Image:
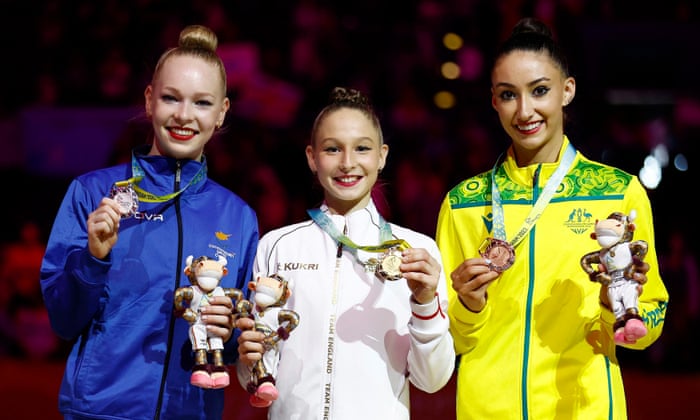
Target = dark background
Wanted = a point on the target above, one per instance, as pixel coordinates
(72, 101)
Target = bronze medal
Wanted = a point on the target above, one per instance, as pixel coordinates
(388, 266)
(126, 197)
(500, 254)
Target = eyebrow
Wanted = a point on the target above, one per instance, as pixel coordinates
(532, 83)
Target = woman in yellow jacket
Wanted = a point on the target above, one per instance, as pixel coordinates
(532, 331)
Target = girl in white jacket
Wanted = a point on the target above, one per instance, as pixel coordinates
(371, 295)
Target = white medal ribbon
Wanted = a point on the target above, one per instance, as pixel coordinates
(499, 231)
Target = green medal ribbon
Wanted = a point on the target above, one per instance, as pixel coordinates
(325, 223)
(138, 174)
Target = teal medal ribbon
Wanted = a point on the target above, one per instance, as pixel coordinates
(498, 249)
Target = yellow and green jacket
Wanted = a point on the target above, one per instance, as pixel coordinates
(542, 347)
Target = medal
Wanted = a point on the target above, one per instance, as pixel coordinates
(499, 253)
(388, 264)
(123, 193)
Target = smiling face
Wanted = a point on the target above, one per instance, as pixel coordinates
(346, 154)
(186, 103)
(529, 92)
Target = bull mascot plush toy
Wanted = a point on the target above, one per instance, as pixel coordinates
(615, 263)
(205, 276)
(270, 293)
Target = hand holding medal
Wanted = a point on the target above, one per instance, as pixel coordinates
(103, 223)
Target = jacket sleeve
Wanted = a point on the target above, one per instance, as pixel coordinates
(431, 356)
(72, 280)
(654, 298)
(464, 324)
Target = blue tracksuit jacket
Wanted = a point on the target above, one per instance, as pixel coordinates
(131, 357)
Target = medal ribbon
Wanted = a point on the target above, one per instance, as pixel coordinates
(325, 223)
(499, 230)
(138, 174)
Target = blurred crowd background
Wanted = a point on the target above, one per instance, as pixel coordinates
(72, 101)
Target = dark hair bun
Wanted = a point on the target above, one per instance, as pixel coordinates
(348, 96)
(531, 26)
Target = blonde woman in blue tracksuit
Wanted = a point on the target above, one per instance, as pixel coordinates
(118, 248)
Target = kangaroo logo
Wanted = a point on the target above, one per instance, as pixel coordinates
(579, 220)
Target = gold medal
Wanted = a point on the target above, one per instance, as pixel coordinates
(499, 253)
(123, 193)
(388, 265)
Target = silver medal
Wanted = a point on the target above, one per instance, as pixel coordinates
(126, 197)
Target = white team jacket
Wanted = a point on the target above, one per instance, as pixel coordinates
(357, 344)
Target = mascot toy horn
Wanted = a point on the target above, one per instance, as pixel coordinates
(616, 261)
(205, 276)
